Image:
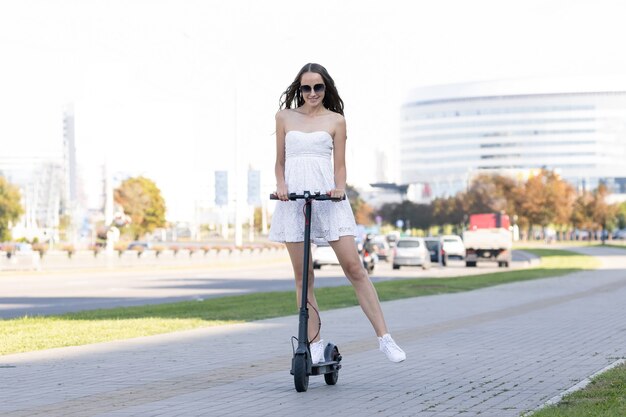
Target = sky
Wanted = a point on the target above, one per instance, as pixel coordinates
(175, 90)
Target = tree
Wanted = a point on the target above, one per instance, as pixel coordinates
(257, 219)
(142, 201)
(548, 199)
(413, 215)
(620, 216)
(602, 212)
(363, 212)
(582, 218)
(591, 211)
(450, 210)
(491, 193)
(10, 207)
(563, 195)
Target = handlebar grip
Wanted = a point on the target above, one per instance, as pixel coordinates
(325, 197)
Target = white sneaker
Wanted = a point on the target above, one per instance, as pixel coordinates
(317, 351)
(389, 348)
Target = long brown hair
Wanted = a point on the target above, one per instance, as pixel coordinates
(331, 101)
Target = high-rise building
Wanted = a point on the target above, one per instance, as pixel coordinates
(48, 186)
(575, 126)
(41, 183)
(70, 194)
(42, 196)
(382, 166)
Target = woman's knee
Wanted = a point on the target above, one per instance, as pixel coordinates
(356, 272)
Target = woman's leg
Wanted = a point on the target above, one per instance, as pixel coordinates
(346, 251)
(296, 253)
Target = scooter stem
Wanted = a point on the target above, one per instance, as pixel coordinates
(303, 337)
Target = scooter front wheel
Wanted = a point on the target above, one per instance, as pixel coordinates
(300, 376)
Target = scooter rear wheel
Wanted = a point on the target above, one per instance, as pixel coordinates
(332, 377)
(300, 377)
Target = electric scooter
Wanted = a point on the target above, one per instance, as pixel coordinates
(301, 364)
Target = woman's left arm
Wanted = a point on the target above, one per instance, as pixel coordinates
(339, 152)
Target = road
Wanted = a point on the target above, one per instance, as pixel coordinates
(44, 293)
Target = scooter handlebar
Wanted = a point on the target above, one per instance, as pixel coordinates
(310, 196)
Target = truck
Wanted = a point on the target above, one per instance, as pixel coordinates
(488, 238)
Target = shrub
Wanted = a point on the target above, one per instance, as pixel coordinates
(158, 249)
(120, 247)
(70, 249)
(42, 248)
(95, 249)
(139, 249)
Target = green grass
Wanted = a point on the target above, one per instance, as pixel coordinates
(44, 332)
(615, 245)
(605, 396)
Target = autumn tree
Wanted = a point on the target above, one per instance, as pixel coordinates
(363, 212)
(141, 200)
(257, 219)
(592, 212)
(491, 193)
(547, 199)
(604, 213)
(10, 207)
(582, 218)
(563, 195)
(449, 210)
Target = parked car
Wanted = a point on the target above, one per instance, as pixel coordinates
(411, 251)
(392, 238)
(620, 234)
(453, 248)
(434, 246)
(581, 234)
(323, 254)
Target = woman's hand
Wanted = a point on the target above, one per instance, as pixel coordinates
(338, 193)
(282, 193)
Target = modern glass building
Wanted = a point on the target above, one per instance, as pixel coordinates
(576, 126)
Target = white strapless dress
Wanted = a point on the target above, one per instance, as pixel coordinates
(309, 167)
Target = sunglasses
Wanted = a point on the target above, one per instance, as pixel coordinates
(318, 88)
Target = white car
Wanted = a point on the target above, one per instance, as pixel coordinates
(453, 247)
(323, 254)
(411, 251)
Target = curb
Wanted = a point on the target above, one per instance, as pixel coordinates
(527, 257)
(581, 385)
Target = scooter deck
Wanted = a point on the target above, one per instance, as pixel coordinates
(325, 368)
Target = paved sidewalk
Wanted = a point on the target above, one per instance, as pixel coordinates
(494, 352)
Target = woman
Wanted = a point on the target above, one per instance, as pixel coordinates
(310, 156)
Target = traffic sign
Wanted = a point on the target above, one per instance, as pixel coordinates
(221, 188)
(254, 187)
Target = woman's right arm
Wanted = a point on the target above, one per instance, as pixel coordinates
(279, 168)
